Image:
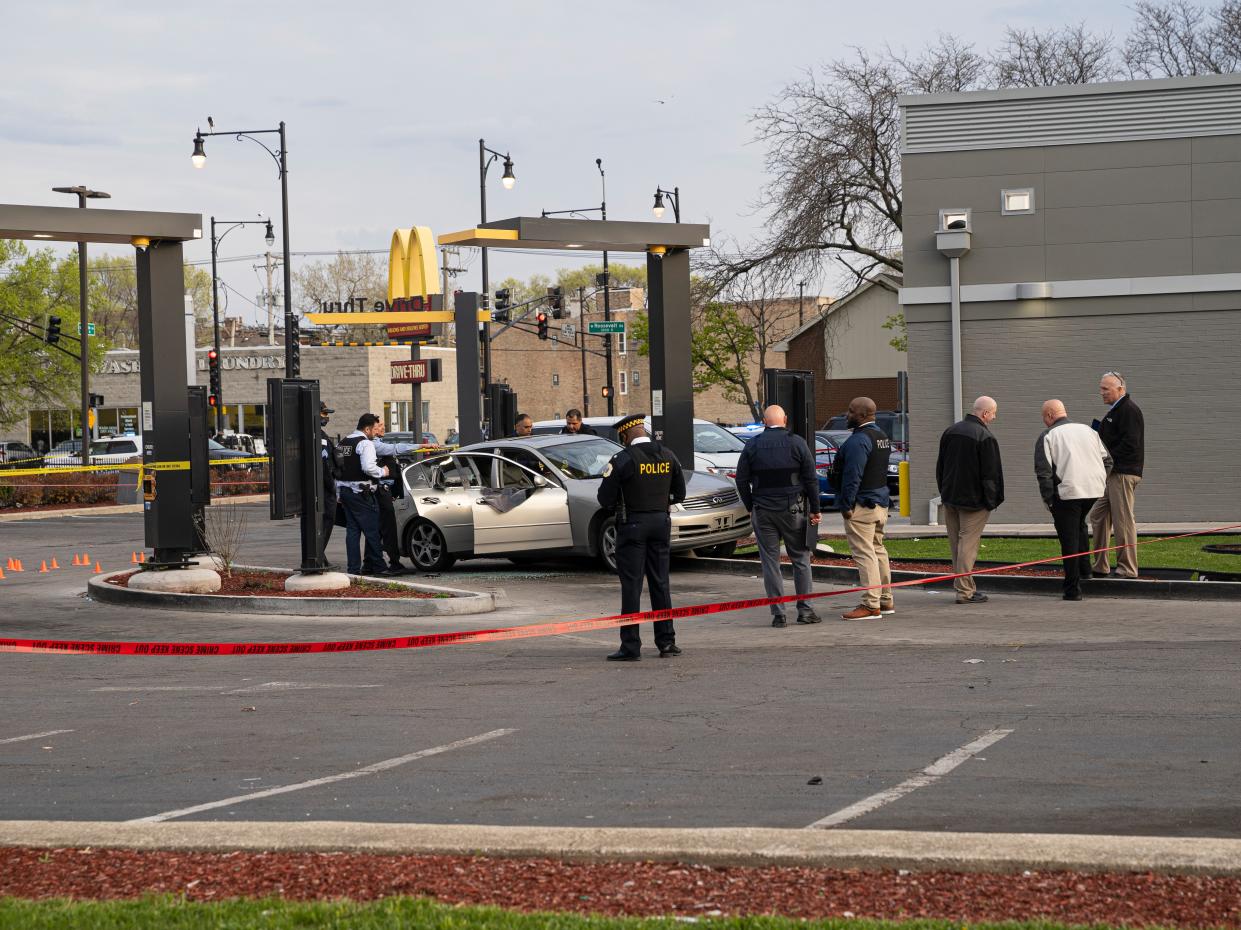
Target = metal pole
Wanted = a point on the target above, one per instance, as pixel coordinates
(954, 285)
(83, 313)
(607, 291)
(289, 368)
(801, 296)
(270, 301)
(581, 340)
(485, 298)
(215, 324)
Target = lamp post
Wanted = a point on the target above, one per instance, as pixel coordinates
(84, 194)
(674, 195)
(953, 240)
(485, 157)
(281, 158)
(270, 239)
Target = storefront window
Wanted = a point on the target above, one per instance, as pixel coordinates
(63, 426)
(127, 420)
(40, 430)
(106, 422)
(253, 420)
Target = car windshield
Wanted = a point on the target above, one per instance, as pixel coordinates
(214, 446)
(581, 459)
(112, 448)
(710, 438)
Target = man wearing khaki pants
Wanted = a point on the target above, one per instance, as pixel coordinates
(971, 485)
(1123, 431)
(860, 476)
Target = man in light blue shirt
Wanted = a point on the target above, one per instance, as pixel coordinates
(360, 475)
(390, 487)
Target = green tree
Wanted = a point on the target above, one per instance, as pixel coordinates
(34, 286)
(113, 285)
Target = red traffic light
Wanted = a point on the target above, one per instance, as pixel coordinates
(542, 317)
(212, 356)
(213, 401)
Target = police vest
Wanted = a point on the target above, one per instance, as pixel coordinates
(351, 462)
(773, 463)
(649, 486)
(875, 474)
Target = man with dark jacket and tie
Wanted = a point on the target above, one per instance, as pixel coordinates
(1123, 431)
(971, 485)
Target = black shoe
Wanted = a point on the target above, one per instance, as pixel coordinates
(1073, 595)
(808, 616)
(398, 569)
(779, 621)
(672, 649)
(622, 656)
(976, 598)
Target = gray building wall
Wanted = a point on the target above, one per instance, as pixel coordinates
(1150, 216)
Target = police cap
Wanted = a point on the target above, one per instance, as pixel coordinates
(629, 422)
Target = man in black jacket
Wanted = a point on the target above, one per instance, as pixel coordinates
(971, 485)
(1123, 431)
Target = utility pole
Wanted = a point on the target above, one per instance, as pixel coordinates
(271, 303)
(581, 338)
(607, 290)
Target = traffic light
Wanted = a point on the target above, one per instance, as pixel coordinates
(53, 330)
(542, 321)
(607, 391)
(555, 298)
(96, 400)
(295, 348)
(213, 378)
(500, 316)
(503, 302)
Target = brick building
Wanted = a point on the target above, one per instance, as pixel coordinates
(849, 351)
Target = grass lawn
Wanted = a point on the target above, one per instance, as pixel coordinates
(168, 913)
(1176, 553)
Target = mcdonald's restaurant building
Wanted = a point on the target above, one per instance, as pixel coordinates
(352, 380)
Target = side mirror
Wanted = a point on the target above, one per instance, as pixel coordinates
(540, 481)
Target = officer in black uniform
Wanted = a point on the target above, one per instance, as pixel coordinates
(639, 484)
(331, 471)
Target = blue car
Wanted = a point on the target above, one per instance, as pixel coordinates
(826, 444)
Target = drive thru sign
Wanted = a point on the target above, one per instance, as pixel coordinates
(416, 371)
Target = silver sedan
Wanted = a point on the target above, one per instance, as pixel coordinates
(537, 496)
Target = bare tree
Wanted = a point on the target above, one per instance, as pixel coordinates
(1180, 39)
(359, 277)
(224, 530)
(1069, 55)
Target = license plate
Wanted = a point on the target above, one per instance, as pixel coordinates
(720, 523)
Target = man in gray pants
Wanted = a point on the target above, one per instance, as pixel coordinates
(778, 485)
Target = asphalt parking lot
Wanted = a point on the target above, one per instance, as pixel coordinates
(1027, 714)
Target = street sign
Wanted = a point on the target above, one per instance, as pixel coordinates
(569, 330)
(416, 371)
(603, 327)
(90, 329)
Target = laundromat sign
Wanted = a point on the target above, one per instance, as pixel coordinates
(131, 366)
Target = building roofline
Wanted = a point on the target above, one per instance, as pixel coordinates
(1069, 90)
(829, 309)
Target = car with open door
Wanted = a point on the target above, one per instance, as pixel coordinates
(538, 496)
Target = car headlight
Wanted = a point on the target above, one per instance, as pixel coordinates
(723, 471)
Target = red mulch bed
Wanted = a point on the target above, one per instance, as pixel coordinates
(271, 584)
(626, 888)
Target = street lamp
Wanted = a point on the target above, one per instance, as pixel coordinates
(674, 195)
(604, 281)
(508, 179)
(953, 239)
(84, 194)
(270, 238)
(281, 158)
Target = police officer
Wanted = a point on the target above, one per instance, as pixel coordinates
(860, 476)
(388, 488)
(639, 484)
(778, 485)
(359, 474)
(573, 425)
(331, 471)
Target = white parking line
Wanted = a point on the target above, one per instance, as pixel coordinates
(929, 775)
(327, 780)
(18, 739)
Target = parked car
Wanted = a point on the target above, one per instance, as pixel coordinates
(537, 496)
(113, 450)
(747, 432)
(252, 446)
(716, 450)
(826, 443)
(19, 455)
(895, 424)
(221, 455)
(428, 439)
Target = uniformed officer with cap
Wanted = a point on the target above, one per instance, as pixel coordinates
(639, 484)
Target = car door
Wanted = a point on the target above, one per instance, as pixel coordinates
(519, 510)
(442, 490)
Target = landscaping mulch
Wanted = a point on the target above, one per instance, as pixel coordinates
(271, 584)
(626, 888)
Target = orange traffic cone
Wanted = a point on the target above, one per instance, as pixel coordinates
(17, 565)
(86, 560)
(76, 559)
(142, 558)
(133, 558)
(9, 564)
(98, 570)
(1, 573)
(55, 564)
(43, 567)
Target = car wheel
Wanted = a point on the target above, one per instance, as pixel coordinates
(427, 548)
(721, 551)
(607, 543)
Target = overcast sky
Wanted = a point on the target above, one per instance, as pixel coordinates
(385, 104)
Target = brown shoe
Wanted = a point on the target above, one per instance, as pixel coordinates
(862, 612)
(887, 608)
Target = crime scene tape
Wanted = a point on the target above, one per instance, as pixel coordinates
(553, 628)
(135, 466)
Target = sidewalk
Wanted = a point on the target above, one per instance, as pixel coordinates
(900, 528)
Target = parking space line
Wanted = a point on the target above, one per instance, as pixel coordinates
(928, 776)
(18, 739)
(371, 769)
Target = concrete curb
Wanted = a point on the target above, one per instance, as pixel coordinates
(458, 603)
(853, 849)
(1166, 589)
